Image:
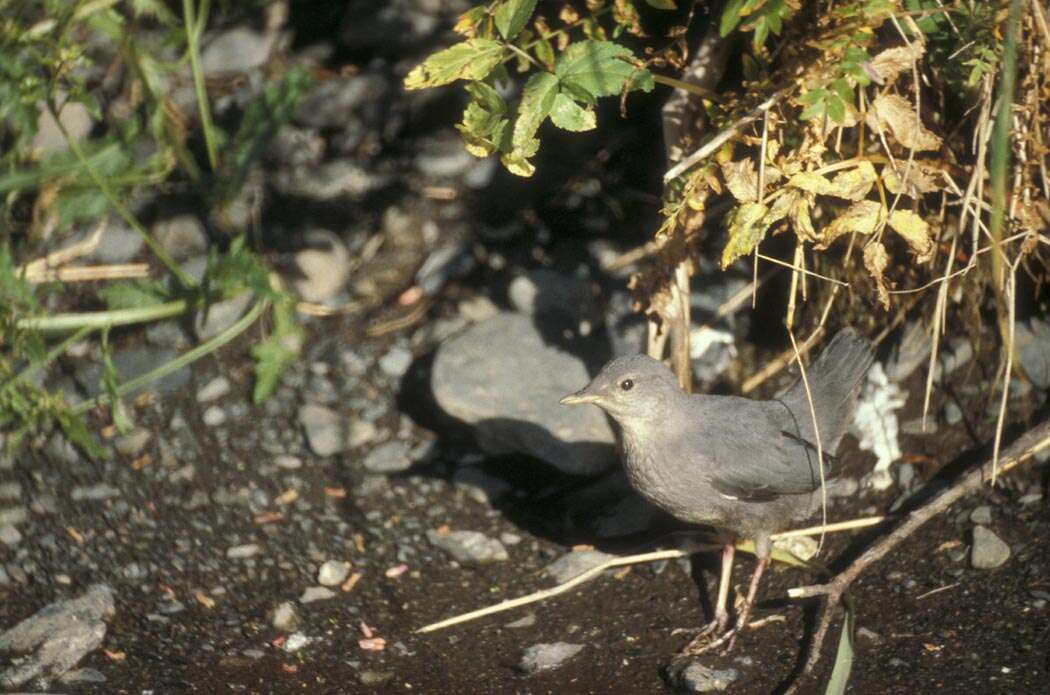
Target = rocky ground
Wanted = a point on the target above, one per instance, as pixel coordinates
(414, 463)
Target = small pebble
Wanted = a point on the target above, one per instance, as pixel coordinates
(213, 390)
(547, 657)
(316, 593)
(214, 416)
(333, 572)
(295, 642)
(241, 552)
(981, 515)
(285, 616)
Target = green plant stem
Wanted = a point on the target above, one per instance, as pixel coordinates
(1001, 140)
(179, 362)
(103, 319)
(50, 357)
(193, 32)
(183, 277)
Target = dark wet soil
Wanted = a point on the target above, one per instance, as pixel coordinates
(939, 626)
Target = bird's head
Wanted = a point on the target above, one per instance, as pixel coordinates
(629, 387)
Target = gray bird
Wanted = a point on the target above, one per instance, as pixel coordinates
(747, 467)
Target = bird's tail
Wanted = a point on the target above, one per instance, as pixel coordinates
(835, 380)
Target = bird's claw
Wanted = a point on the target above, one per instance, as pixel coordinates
(708, 641)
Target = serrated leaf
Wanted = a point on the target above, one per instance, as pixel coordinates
(472, 59)
(537, 100)
(280, 349)
(781, 206)
(863, 217)
(746, 229)
(914, 230)
(893, 61)
(601, 69)
(483, 120)
(876, 260)
(801, 218)
(854, 183)
(467, 23)
(811, 182)
(921, 179)
(569, 115)
(741, 179)
(512, 15)
(892, 112)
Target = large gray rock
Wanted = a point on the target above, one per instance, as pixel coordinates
(502, 378)
(57, 637)
(239, 50)
(1033, 350)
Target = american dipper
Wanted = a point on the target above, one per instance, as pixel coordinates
(746, 467)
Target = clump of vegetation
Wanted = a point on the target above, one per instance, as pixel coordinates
(115, 63)
(901, 143)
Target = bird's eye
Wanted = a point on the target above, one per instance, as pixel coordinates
(626, 384)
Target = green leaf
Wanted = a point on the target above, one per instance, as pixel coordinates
(662, 4)
(569, 115)
(836, 109)
(265, 115)
(78, 434)
(601, 69)
(512, 15)
(110, 382)
(746, 229)
(134, 295)
(731, 16)
(844, 657)
(472, 59)
(537, 100)
(280, 349)
(484, 120)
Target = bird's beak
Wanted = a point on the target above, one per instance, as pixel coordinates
(580, 397)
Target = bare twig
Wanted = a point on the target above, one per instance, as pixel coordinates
(712, 145)
(1021, 450)
(654, 556)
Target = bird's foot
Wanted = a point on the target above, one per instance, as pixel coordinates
(708, 634)
(709, 640)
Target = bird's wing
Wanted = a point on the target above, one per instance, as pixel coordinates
(756, 453)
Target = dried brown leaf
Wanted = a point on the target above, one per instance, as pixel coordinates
(915, 231)
(863, 217)
(876, 260)
(802, 220)
(892, 62)
(741, 180)
(922, 179)
(894, 113)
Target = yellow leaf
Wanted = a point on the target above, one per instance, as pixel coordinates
(863, 217)
(855, 183)
(781, 206)
(741, 180)
(876, 260)
(915, 231)
(808, 181)
(746, 229)
(892, 112)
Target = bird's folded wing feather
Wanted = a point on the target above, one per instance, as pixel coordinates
(756, 453)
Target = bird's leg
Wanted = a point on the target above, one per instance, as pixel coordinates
(752, 592)
(720, 622)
